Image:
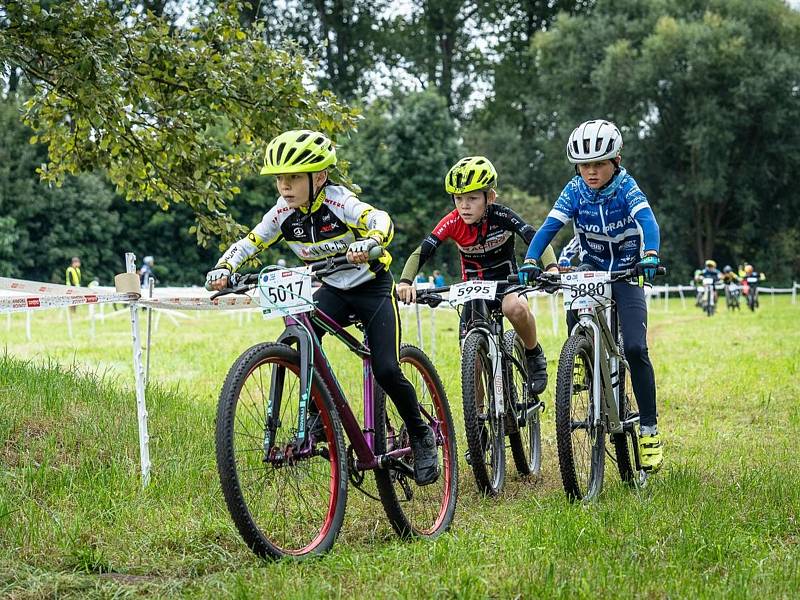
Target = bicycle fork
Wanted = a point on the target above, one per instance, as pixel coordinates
(497, 375)
(292, 336)
(605, 394)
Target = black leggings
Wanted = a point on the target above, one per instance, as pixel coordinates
(632, 314)
(374, 304)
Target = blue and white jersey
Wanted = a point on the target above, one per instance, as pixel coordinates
(614, 226)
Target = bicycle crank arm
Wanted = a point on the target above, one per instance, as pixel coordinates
(386, 461)
(522, 416)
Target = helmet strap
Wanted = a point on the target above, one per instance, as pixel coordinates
(310, 191)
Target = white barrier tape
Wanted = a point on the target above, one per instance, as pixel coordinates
(46, 289)
(26, 303)
(226, 302)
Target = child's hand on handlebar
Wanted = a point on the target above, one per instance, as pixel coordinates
(528, 271)
(217, 279)
(406, 292)
(358, 252)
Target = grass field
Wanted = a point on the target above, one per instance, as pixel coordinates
(721, 520)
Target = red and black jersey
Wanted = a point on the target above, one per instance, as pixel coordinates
(487, 247)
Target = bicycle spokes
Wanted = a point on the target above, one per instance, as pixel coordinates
(286, 497)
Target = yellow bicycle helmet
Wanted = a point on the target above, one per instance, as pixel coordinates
(299, 151)
(469, 174)
(711, 264)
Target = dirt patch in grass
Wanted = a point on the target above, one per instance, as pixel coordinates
(36, 441)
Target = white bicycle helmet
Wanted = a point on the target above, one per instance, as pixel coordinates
(593, 141)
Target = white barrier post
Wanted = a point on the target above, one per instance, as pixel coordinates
(433, 333)
(69, 322)
(28, 324)
(666, 297)
(794, 292)
(423, 286)
(680, 293)
(138, 372)
(554, 313)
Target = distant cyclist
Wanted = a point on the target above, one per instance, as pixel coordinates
(711, 271)
(729, 275)
(750, 285)
(731, 281)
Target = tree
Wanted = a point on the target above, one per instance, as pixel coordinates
(437, 44)
(42, 227)
(706, 94)
(172, 115)
(346, 36)
(400, 156)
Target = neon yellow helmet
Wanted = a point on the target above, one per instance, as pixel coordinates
(711, 264)
(469, 174)
(299, 151)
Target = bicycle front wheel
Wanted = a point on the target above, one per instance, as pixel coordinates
(484, 429)
(526, 441)
(286, 498)
(580, 441)
(417, 511)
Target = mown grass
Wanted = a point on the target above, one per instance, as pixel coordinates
(722, 519)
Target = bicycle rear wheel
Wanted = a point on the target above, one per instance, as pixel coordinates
(581, 443)
(485, 432)
(416, 511)
(526, 440)
(284, 501)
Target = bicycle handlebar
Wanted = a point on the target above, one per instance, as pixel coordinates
(239, 284)
(555, 278)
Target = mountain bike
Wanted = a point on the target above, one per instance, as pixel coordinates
(732, 294)
(286, 486)
(752, 292)
(593, 395)
(496, 398)
(709, 296)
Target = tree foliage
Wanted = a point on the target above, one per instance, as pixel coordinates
(399, 158)
(43, 226)
(172, 115)
(347, 37)
(706, 94)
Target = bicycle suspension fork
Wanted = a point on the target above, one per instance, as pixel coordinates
(293, 335)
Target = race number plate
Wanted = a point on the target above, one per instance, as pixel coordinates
(708, 281)
(587, 289)
(472, 290)
(286, 291)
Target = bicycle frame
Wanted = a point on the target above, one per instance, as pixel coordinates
(299, 331)
(607, 360)
(493, 331)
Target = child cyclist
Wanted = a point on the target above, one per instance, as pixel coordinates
(318, 220)
(484, 232)
(617, 230)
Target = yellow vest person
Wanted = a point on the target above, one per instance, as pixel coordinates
(73, 275)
